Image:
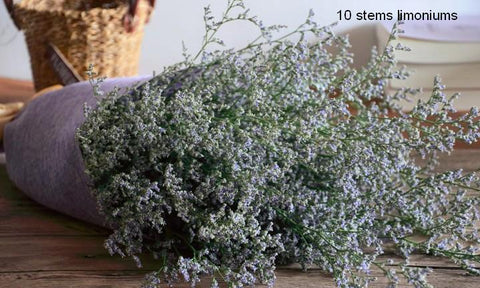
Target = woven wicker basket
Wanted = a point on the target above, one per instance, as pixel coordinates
(85, 31)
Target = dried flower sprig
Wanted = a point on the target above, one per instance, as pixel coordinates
(234, 162)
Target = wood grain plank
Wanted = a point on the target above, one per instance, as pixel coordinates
(44, 222)
(446, 278)
(416, 260)
(12, 90)
(57, 253)
(42, 248)
(76, 253)
(70, 279)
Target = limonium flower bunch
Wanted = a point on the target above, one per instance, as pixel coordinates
(233, 162)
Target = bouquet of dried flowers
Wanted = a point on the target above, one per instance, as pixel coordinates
(235, 161)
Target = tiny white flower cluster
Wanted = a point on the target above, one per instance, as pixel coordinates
(276, 153)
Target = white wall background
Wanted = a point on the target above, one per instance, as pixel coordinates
(174, 21)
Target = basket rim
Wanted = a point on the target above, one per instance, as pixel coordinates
(23, 5)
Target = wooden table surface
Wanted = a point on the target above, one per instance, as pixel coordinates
(42, 248)
(12, 90)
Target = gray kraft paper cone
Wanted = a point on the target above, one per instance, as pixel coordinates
(44, 159)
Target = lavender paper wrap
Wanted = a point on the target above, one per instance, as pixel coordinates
(43, 158)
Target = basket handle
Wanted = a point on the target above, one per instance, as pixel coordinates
(11, 11)
(61, 66)
(129, 19)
